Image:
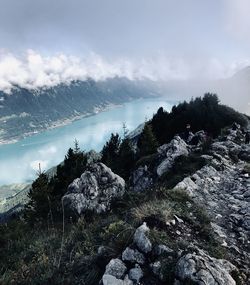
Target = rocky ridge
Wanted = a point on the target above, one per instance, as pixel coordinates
(222, 188)
(142, 257)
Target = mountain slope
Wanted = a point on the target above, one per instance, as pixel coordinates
(27, 111)
(195, 232)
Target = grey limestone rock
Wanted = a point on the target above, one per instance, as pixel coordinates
(94, 190)
(135, 274)
(200, 268)
(141, 240)
(111, 280)
(116, 268)
(133, 256)
(169, 152)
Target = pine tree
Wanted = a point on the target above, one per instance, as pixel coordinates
(126, 159)
(39, 206)
(110, 152)
(73, 166)
(76, 147)
(147, 142)
(125, 130)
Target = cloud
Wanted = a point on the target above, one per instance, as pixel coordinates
(237, 18)
(33, 70)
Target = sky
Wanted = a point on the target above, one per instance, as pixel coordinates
(45, 42)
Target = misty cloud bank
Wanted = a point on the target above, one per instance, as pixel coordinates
(33, 70)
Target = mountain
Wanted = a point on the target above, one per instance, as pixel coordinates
(180, 216)
(26, 111)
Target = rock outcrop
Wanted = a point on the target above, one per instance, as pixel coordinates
(169, 152)
(130, 267)
(223, 188)
(127, 270)
(94, 190)
(199, 268)
(143, 262)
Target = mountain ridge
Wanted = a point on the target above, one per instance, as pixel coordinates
(24, 111)
(149, 209)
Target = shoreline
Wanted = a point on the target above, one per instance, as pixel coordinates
(61, 123)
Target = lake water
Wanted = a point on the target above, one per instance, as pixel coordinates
(19, 161)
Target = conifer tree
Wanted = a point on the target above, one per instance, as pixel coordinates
(39, 206)
(126, 158)
(110, 151)
(147, 142)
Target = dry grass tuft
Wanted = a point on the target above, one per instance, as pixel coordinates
(158, 209)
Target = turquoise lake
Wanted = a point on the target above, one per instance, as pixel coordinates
(19, 161)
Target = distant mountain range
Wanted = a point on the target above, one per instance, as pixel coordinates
(24, 111)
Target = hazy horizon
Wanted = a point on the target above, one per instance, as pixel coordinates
(46, 42)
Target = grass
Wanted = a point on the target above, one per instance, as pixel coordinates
(183, 166)
(157, 209)
(35, 256)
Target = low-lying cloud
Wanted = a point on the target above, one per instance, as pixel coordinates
(33, 70)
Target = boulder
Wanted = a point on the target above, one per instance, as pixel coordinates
(116, 268)
(188, 185)
(169, 152)
(133, 256)
(200, 268)
(135, 274)
(141, 240)
(111, 280)
(94, 190)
